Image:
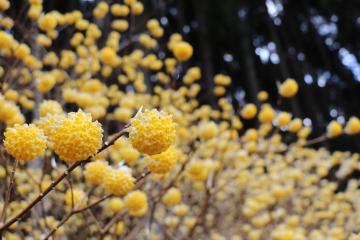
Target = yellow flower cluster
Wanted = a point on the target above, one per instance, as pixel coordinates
(152, 132)
(116, 205)
(50, 107)
(25, 142)
(249, 111)
(208, 130)
(136, 203)
(172, 197)
(10, 113)
(124, 151)
(289, 88)
(76, 137)
(183, 51)
(95, 171)
(163, 162)
(118, 182)
(334, 129)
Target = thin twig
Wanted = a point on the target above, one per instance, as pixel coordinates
(200, 220)
(315, 140)
(98, 224)
(159, 196)
(92, 204)
(8, 191)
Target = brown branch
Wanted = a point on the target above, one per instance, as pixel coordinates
(92, 204)
(98, 224)
(107, 227)
(201, 218)
(159, 196)
(8, 191)
(64, 220)
(316, 140)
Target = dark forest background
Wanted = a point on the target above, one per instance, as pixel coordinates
(261, 43)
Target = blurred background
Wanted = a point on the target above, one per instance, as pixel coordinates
(260, 44)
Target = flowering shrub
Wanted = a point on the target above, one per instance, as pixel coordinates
(92, 149)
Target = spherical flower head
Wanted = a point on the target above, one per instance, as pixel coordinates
(95, 171)
(152, 132)
(249, 111)
(92, 86)
(353, 126)
(282, 234)
(116, 205)
(136, 203)
(129, 154)
(21, 51)
(45, 83)
(219, 91)
(197, 170)
(119, 228)
(5, 40)
(9, 111)
(289, 88)
(48, 124)
(251, 147)
(266, 114)
(25, 142)
(122, 114)
(75, 197)
(77, 137)
(11, 95)
(262, 96)
(51, 107)
(295, 125)
(47, 22)
(163, 162)
(334, 129)
(221, 79)
(283, 119)
(101, 10)
(208, 130)
(137, 8)
(183, 51)
(181, 210)
(251, 134)
(4, 5)
(108, 56)
(119, 10)
(118, 181)
(304, 132)
(172, 197)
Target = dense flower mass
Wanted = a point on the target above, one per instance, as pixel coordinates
(77, 137)
(50, 107)
(118, 182)
(163, 162)
(95, 171)
(201, 162)
(25, 142)
(183, 51)
(152, 132)
(136, 203)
